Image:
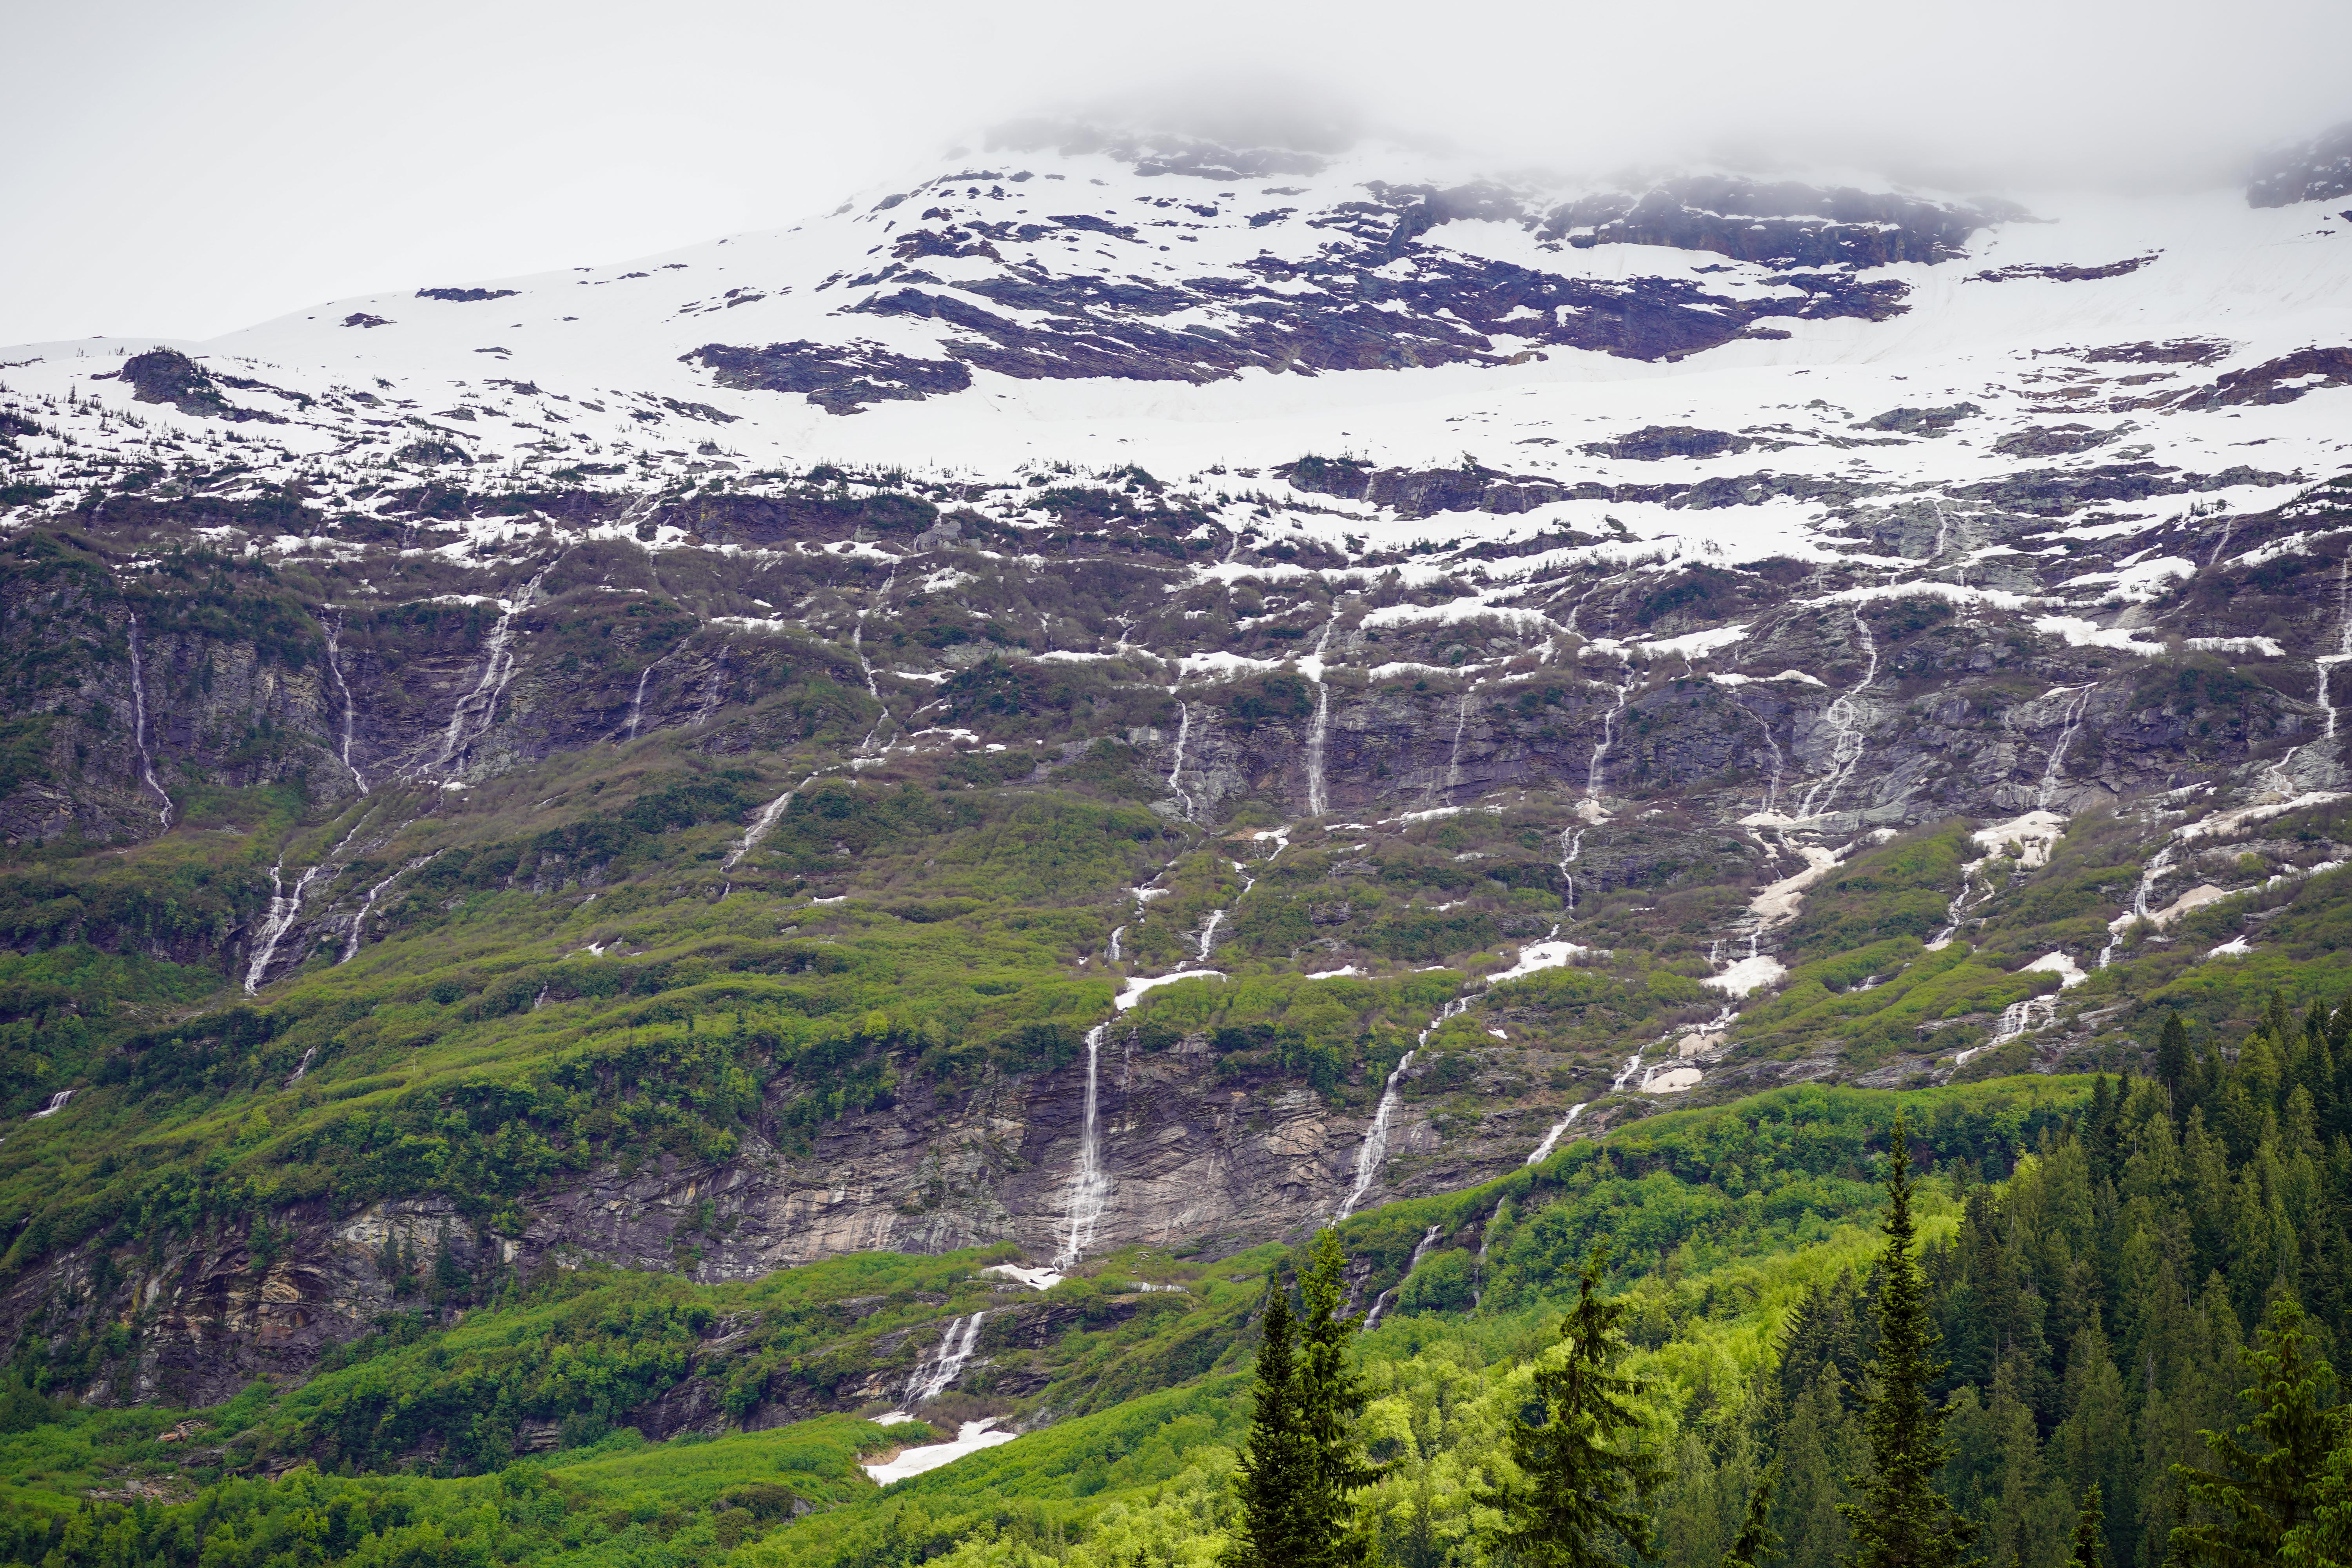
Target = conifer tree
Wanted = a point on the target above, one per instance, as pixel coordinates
(1903, 1519)
(1331, 1396)
(1757, 1543)
(2263, 1494)
(2089, 1531)
(1585, 1480)
(1275, 1473)
(2172, 1054)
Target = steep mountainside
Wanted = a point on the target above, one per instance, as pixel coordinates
(1131, 694)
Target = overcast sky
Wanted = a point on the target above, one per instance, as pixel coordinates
(187, 169)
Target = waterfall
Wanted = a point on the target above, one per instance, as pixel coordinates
(302, 1066)
(1090, 1187)
(2016, 1018)
(857, 647)
(1374, 1149)
(1428, 1239)
(1608, 734)
(139, 725)
(335, 668)
(283, 908)
(1454, 754)
(2342, 642)
(637, 698)
(1183, 735)
(1772, 745)
(2150, 874)
(359, 921)
(471, 719)
(57, 1103)
(1114, 943)
(1952, 911)
(1551, 1139)
(1317, 802)
(935, 1374)
(1846, 717)
(1633, 1065)
(1943, 529)
(2073, 721)
(1209, 930)
(1571, 841)
(760, 825)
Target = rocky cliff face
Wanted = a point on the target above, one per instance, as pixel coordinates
(1328, 574)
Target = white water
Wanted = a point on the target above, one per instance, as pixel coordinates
(2075, 711)
(935, 1374)
(1943, 530)
(1317, 801)
(1115, 931)
(471, 719)
(1551, 1139)
(2325, 662)
(302, 1066)
(857, 647)
(970, 1438)
(1609, 732)
(762, 824)
(2158, 864)
(1571, 841)
(1959, 906)
(1428, 1239)
(1176, 770)
(1780, 763)
(1844, 715)
(1374, 1149)
(335, 668)
(1454, 754)
(359, 921)
(283, 908)
(139, 724)
(57, 1103)
(1633, 1066)
(637, 698)
(1209, 930)
(1090, 1186)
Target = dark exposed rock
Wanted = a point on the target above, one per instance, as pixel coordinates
(2279, 380)
(2063, 274)
(2054, 440)
(362, 319)
(839, 379)
(1653, 442)
(1922, 421)
(2175, 351)
(2317, 170)
(466, 296)
(1783, 225)
(167, 375)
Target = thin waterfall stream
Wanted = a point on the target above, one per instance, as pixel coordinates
(139, 724)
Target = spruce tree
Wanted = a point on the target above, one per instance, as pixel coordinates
(1331, 1397)
(1275, 1475)
(2172, 1054)
(1904, 1521)
(2267, 1492)
(1585, 1480)
(1757, 1543)
(2089, 1531)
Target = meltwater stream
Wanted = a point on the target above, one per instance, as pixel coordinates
(138, 724)
(1374, 1149)
(1090, 1186)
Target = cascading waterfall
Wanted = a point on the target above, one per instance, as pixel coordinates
(57, 1102)
(760, 825)
(139, 724)
(1183, 737)
(1551, 1139)
(283, 908)
(359, 921)
(1844, 715)
(335, 668)
(1571, 841)
(1780, 763)
(1374, 1149)
(471, 720)
(935, 1375)
(857, 647)
(1115, 933)
(1453, 753)
(1959, 906)
(1633, 1065)
(2150, 874)
(1428, 1239)
(1943, 529)
(302, 1067)
(1317, 801)
(1608, 734)
(2327, 662)
(637, 698)
(2073, 721)
(1090, 1187)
